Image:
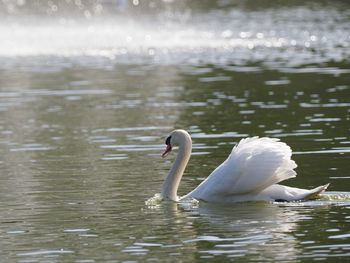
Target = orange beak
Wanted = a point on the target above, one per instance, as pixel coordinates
(167, 150)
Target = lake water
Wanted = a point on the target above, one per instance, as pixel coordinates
(89, 92)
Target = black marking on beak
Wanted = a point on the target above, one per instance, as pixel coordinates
(167, 141)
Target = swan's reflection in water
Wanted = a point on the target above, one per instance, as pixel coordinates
(248, 228)
(256, 230)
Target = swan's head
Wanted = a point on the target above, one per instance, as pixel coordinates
(176, 138)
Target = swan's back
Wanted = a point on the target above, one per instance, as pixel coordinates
(253, 165)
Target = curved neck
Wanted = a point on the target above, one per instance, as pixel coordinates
(172, 181)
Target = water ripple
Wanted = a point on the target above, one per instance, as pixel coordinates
(45, 252)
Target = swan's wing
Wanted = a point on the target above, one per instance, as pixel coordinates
(253, 165)
(260, 162)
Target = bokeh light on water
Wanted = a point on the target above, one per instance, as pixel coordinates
(90, 89)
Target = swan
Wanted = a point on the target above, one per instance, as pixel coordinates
(250, 173)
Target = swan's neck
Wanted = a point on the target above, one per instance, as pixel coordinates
(172, 181)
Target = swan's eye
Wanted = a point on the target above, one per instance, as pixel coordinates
(167, 141)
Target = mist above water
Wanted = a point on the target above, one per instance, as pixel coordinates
(166, 32)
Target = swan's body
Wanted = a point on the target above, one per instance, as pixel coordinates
(250, 173)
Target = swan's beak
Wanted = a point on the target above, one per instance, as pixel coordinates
(167, 151)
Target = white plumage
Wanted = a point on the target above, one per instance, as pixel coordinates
(251, 172)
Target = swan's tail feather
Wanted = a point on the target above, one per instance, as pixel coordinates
(316, 192)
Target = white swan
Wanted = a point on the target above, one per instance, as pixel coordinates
(251, 172)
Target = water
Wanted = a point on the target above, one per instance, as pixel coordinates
(89, 92)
